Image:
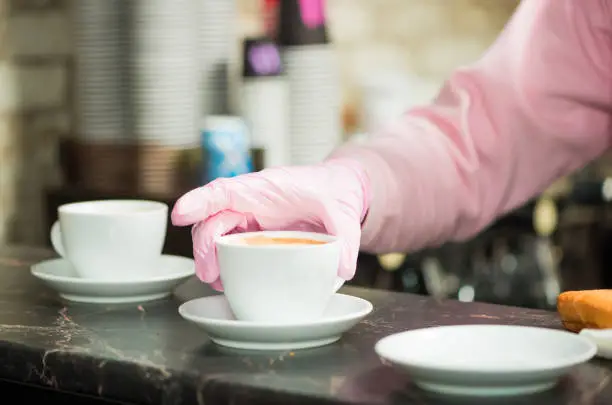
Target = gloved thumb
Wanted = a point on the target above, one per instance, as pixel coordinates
(345, 225)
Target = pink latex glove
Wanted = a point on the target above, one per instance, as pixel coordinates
(330, 197)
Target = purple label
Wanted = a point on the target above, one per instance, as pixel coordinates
(312, 13)
(264, 59)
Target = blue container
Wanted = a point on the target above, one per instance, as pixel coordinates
(225, 147)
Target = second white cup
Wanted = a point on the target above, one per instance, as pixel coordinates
(113, 239)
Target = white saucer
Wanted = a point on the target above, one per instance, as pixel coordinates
(485, 360)
(60, 275)
(214, 315)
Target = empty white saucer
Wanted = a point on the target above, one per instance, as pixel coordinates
(60, 275)
(485, 360)
(214, 315)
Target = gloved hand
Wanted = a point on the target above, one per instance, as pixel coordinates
(330, 197)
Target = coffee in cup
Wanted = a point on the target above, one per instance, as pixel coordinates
(113, 239)
(268, 240)
(280, 277)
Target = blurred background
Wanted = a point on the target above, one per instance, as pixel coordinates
(149, 98)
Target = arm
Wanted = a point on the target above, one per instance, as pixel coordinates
(536, 107)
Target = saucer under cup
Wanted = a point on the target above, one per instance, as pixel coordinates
(214, 315)
(279, 284)
(113, 239)
(60, 276)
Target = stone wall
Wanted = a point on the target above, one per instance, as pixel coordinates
(35, 57)
(426, 38)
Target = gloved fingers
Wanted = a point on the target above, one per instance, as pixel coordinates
(203, 202)
(204, 249)
(262, 195)
(270, 199)
(345, 225)
(217, 285)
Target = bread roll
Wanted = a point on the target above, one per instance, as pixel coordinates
(585, 309)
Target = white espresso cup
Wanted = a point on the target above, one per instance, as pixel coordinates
(113, 239)
(279, 283)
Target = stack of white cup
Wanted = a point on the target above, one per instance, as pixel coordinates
(216, 50)
(315, 126)
(137, 62)
(263, 101)
(165, 66)
(101, 79)
(311, 69)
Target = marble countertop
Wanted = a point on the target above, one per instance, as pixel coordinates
(147, 354)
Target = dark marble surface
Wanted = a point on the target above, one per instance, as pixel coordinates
(146, 354)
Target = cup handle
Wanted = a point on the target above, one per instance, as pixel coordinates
(56, 239)
(339, 283)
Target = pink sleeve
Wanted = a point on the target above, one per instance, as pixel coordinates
(535, 107)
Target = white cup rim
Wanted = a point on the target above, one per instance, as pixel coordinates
(229, 240)
(84, 208)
